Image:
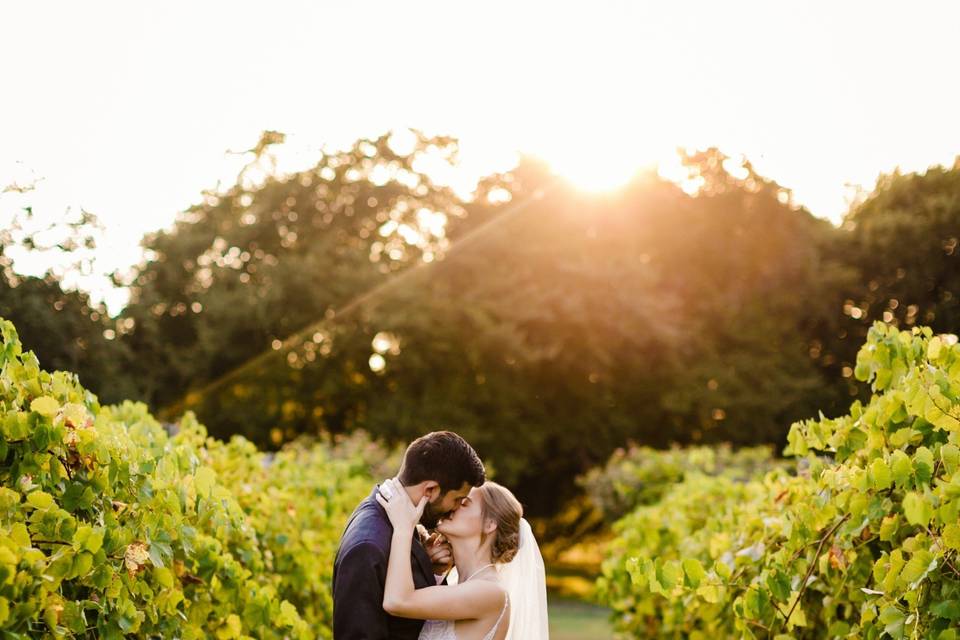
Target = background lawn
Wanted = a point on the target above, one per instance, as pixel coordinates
(577, 620)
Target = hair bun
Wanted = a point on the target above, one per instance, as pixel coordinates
(505, 548)
(501, 506)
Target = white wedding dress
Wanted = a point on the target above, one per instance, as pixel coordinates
(524, 579)
(444, 629)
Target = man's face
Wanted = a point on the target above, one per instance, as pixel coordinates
(443, 506)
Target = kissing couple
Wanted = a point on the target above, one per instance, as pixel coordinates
(439, 553)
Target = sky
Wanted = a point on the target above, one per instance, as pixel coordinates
(131, 109)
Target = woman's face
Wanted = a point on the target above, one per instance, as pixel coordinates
(467, 521)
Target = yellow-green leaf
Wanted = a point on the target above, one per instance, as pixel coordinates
(880, 474)
(950, 455)
(204, 479)
(163, 577)
(917, 509)
(231, 629)
(288, 614)
(933, 349)
(901, 467)
(694, 571)
(951, 536)
(40, 500)
(889, 527)
(45, 406)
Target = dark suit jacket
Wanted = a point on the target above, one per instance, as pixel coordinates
(360, 574)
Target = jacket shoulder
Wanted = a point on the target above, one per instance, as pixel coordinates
(368, 527)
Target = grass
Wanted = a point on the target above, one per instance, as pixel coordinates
(577, 620)
(571, 579)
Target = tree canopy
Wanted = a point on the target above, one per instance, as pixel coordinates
(546, 325)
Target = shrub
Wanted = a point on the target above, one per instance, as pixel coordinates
(111, 527)
(861, 542)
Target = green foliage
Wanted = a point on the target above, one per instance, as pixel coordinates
(110, 527)
(265, 258)
(298, 501)
(862, 542)
(570, 327)
(899, 244)
(64, 328)
(563, 322)
(642, 476)
(916, 286)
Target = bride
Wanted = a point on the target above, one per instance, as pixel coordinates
(503, 595)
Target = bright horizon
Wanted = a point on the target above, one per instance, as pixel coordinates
(134, 103)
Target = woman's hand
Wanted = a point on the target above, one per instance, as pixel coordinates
(403, 514)
(440, 552)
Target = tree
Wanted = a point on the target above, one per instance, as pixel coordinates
(903, 239)
(65, 329)
(545, 325)
(273, 254)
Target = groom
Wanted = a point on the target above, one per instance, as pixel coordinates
(443, 467)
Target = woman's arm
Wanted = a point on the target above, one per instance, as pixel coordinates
(458, 602)
(401, 598)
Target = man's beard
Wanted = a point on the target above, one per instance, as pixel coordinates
(431, 517)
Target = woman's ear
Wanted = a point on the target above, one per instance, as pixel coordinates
(489, 526)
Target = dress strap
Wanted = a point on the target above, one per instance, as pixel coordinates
(493, 632)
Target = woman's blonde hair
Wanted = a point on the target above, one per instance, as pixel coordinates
(503, 508)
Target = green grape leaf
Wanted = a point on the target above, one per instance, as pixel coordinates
(889, 527)
(723, 569)
(163, 577)
(923, 464)
(75, 414)
(710, 593)
(40, 500)
(949, 609)
(204, 479)
(16, 426)
(917, 509)
(288, 614)
(779, 585)
(694, 572)
(892, 619)
(20, 534)
(951, 536)
(87, 538)
(901, 437)
(8, 498)
(45, 406)
(880, 474)
(917, 567)
(798, 618)
(949, 511)
(950, 454)
(231, 628)
(933, 348)
(901, 467)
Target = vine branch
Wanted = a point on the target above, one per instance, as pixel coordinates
(813, 563)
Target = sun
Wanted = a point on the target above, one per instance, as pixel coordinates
(601, 166)
(592, 173)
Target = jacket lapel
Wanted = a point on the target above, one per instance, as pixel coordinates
(420, 557)
(420, 554)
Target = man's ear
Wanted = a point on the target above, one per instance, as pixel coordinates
(431, 489)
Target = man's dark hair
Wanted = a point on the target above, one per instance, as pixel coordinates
(444, 457)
